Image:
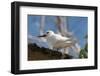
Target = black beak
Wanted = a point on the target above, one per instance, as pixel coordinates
(43, 35)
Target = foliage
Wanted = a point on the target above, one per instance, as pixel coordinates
(84, 52)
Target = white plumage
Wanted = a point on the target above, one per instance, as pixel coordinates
(57, 41)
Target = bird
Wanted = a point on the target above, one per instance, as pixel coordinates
(56, 41)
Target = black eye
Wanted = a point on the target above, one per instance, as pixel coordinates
(47, 32)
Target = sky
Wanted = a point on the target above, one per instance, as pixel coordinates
(75, 24)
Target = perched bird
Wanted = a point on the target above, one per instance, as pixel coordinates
(57, 41)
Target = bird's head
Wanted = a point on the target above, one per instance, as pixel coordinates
(47, 34)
